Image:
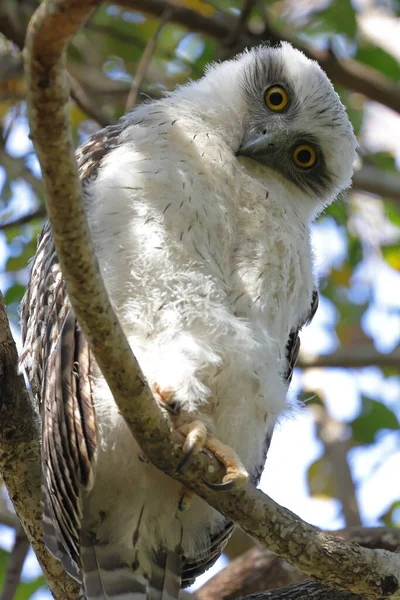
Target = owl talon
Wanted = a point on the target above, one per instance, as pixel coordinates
(196, 436)
(196, 439)
(220, 487)
(186, 500)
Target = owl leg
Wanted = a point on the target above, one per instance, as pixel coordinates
(197, 438)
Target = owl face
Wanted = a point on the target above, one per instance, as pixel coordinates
(295, 123)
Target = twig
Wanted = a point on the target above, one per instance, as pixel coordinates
(344, 565)
(329, 432)
(15, 563)
(20, 459)
(84, 102)
(241, 22)
(16, 168)
(347, 72)
(145, 61)
(377, 181)
(353, 357)
(40, 213)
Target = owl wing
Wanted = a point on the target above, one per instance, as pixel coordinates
(58, 363)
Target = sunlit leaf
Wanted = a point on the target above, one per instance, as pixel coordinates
(391, 254)
(379, 59)
(14, 293)
(14, 263)
(374, 417)
(391, 517)
(320, 480)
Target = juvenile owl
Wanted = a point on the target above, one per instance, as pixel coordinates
(200, 206)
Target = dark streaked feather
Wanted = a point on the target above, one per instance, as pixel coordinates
(293, 344)
(57, 361)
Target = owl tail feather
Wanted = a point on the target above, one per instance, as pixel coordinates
(106, 577)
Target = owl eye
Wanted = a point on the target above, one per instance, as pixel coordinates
(304, 156)
(276, 98)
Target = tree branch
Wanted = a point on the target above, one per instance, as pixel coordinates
(17, 168)
(20, 459)
(40, 213)
(377, 181)
(15, 563)
(353, 357)
(81, 98)
(145, 61)
(308, 590)
(258, 569)
(347, 72)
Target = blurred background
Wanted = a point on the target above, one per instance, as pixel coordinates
(335, 460)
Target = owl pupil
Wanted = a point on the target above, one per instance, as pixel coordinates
(304, 156)
(276, 99)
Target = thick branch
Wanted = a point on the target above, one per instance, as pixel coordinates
(373, 573)
(308, 590)
(20, 458)
(349, 73)
(258, 569)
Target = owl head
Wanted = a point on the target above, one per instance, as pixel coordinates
(277, 107)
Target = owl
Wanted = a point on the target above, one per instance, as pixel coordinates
(199, 206)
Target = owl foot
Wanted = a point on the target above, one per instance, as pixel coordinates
(236, 475)
(165, 397)
(197, 439)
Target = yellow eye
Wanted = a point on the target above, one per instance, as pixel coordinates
(304, 156)
(276, 98)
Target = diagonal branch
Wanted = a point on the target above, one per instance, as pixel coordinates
(15, 563)
(145, 61)
(362, 571)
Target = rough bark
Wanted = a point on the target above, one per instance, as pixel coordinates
(258, 569)
(309, 590)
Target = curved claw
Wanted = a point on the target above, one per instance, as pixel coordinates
(185, 458)
(221, 487)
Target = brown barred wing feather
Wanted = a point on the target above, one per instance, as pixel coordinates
(58, 364)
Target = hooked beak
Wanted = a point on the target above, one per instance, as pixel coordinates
(255, 145)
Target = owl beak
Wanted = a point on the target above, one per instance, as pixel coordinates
(255, 145)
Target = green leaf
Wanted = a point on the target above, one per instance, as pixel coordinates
(340, 18)
(391, 253)
(392, 211)
(379, 59)
(354, 250)
(374, 417)
(320, 481)
(15, 263)
(382, 160)
(25, 589)
(14, 293)
(391, 517)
